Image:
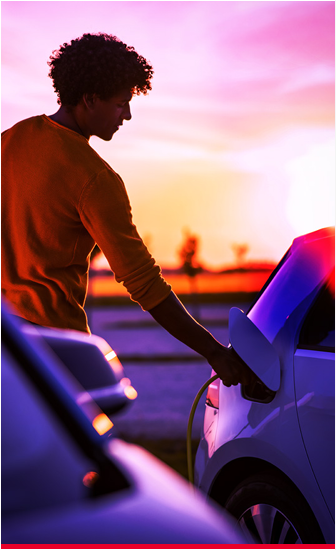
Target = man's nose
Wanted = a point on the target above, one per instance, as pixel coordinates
(127, 115)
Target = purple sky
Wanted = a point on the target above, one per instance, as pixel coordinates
(236, 139)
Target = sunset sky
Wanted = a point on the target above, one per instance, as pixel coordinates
(236, 140)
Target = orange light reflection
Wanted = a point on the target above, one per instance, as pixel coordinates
(110, 355)
(102, 423)
(130, 392)
(90, 479)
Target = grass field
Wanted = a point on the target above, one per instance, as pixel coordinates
(166, 374)
(171, 451)
(204, 283)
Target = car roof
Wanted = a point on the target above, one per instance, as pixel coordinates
(325, 233)
(301, 272)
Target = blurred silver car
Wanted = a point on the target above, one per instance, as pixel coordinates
(66, 479)
(267, 454)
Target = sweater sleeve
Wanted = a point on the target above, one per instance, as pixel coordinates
(105, 212)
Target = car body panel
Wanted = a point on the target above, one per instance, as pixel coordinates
(315, 394)
(236, 450)
(51, 448)
(296, 429)
(31, 438)
(158, 508)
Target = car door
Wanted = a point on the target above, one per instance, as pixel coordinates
(314, 372)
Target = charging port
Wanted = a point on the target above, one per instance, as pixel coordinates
(257, 392)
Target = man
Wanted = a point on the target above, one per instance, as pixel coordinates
(59, 198)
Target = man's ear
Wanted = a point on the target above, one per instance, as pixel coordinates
(89, 100)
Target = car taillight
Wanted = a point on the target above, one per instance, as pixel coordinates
(212, 397)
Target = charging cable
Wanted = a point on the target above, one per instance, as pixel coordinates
(190, 423)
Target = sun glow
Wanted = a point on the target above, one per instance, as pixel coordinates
(228, 142)
(311, 200)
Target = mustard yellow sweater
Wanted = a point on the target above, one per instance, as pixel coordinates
(59, 198)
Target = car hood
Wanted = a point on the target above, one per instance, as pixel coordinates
(160, 508)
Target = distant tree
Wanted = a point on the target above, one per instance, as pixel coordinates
(240, 251)
(188, 255)
(148, 240)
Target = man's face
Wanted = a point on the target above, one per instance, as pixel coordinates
(107, 115)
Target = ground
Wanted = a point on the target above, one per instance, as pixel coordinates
(166, 374)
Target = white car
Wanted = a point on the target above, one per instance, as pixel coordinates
(267, 454)
(66, 479)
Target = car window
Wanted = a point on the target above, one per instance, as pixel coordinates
(270, 278)
(318, 330)
(41, 465)
(300, 275)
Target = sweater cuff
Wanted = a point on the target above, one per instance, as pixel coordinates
(146, 285)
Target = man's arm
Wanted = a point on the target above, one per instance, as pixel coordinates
(173, 317)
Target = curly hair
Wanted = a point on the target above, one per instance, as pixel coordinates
(97, 64)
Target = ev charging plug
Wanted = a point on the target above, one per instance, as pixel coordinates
(256, 351)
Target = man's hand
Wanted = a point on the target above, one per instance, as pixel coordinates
(172, 316)
(231, 368)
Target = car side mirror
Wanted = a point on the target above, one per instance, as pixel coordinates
(93, 363)
(254, 349)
